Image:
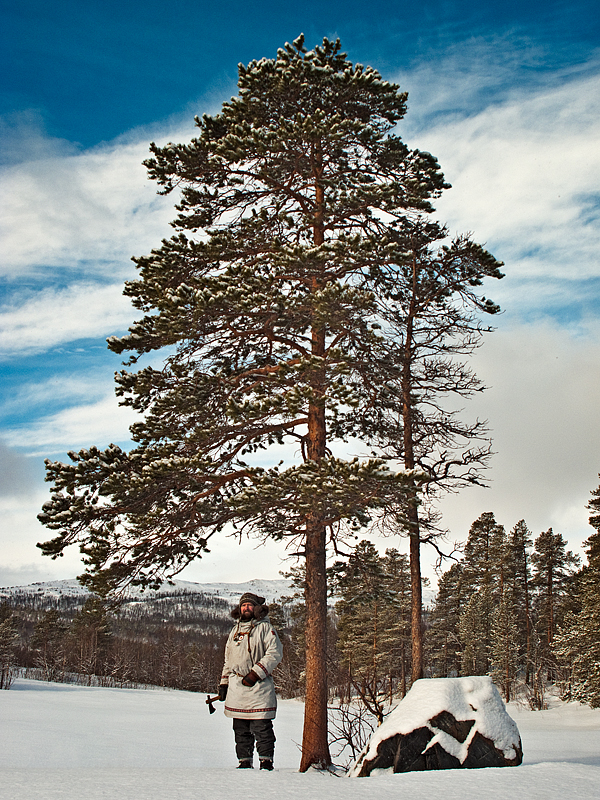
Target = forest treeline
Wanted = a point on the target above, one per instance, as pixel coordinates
(517, 607)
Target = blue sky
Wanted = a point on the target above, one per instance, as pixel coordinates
(506, 95)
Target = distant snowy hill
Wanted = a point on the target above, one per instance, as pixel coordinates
(71, 590)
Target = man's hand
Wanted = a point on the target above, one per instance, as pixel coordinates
(223, 691)
(250, 679)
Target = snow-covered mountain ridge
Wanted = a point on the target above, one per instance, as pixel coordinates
(269, 589)
(72, 590)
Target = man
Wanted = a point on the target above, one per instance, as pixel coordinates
(252, 652)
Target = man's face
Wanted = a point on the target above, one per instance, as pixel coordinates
(247, 610)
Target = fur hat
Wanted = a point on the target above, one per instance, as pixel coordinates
(260, 609)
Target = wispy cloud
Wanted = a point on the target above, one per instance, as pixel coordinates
(23, 137)
(76, 427)
(38, 321)
(526, 175)
(62, 388)
(525, 168)
(89, 211)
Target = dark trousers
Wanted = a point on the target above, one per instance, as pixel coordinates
(248, 731)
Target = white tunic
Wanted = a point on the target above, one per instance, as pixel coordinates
(252, 645)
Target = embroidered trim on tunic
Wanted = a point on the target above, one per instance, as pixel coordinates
(264, 669)
(250, 710)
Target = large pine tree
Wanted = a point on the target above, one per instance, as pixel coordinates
(277, 307)
(433, 309)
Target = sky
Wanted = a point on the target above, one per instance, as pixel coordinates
(505, 95)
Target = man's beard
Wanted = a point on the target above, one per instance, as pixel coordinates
(247, 614)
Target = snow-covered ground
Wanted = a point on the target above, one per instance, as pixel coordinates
(61, 742)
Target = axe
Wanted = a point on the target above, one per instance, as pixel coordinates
(209, 702)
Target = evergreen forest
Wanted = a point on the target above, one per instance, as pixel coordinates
(515, 606)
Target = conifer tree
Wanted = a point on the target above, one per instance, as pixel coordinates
(373, 615)
(444, 643)
(520, 542)
(484, 554)
(475, 632)
(432, 306)
(577, 644)
(91, 634)
(483, 583)
(363, 593)
(49, 639)
(396, 635)
(279, 306)
(553, 568)
(505, 645)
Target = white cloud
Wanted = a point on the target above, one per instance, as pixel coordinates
(525, 174)
(23, 137)
(59, 388)
(91, 211)
(35, 322)
(73, 428)
(542, 410)
(22, 561)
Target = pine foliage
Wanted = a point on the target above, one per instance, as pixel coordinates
(373, 623)
(268, 307)
(499, 609)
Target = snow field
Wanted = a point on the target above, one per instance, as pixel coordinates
(61, 742)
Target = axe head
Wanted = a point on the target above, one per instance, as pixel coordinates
(209, 703)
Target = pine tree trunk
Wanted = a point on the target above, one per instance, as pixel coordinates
(315, 746)
(416, 633)
(527, 622)
(412, 510)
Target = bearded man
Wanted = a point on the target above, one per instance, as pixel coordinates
(252, 652)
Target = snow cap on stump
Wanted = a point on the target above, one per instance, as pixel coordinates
(444, 723)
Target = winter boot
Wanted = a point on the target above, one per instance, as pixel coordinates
(266, 763)
(247, 764)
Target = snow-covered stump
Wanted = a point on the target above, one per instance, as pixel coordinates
(444, 723)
